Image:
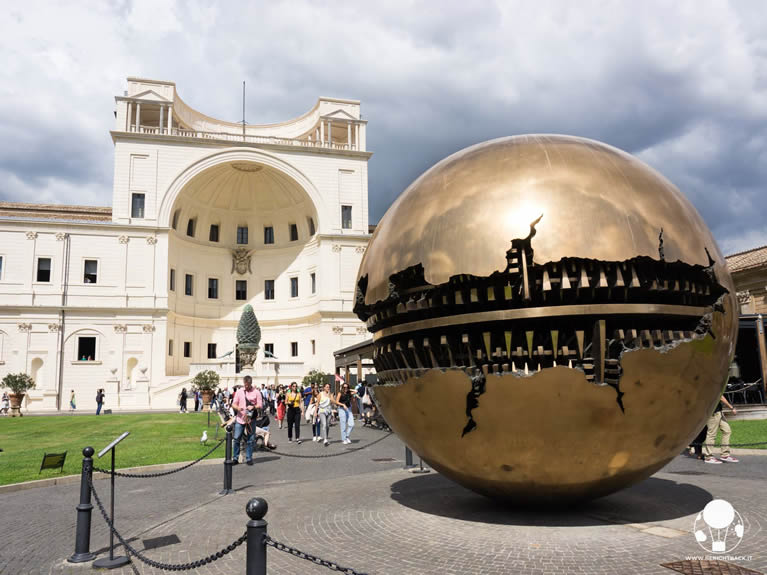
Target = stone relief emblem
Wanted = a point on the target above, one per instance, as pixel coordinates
(241, 261)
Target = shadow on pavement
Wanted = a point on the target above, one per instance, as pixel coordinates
(650, 501)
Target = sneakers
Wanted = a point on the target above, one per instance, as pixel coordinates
(235, 462)
(713, 460)
(298, 441)
(290, 439)
(327, 443)
(729, 459)
(347, 441)
(249, 462)
(314, 438)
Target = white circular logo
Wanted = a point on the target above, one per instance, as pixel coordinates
(719, 527)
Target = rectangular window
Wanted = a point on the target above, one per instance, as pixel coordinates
(293, 287)
(268, 289)
(187, 349)
(44, 269)
(1, 267)
(86, 348)
(91, 271)
(293, 232)
(137, 205)
(170, 347)
(213, 233)
(269, 349)
(176, 214)
(346, 217)
(190, 227)
(314, 347)
(241, 290)
(212, 288)
(268, 235)
(172, 280)
(189, 284)
(211, 351)
(310, 223)
(294, 348)
(242, 235)
(314, 282)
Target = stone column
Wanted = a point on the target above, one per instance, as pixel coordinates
(349, 135)
(322, 132)
(162, 117)
(170, 118)
(357, 137)
(129, 117)
(138, 117)
(762, 350)
(330, 133)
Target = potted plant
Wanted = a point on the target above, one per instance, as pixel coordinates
(206, 382)
(18, 383)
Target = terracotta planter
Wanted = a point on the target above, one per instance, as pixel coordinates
(16, 400)
(207, 397)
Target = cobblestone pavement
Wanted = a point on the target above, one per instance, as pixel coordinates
(378, 519)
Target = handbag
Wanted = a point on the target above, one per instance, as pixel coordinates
(263, 421)
(310, 412)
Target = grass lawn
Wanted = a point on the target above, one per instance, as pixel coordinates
(154, 438)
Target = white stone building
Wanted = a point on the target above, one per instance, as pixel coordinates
(138, 298)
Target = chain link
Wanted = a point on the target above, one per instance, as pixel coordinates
(159, 473)
(316, 560)
(324, 455)
(157, 564)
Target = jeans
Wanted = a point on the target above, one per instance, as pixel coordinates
(239, 429)
(98, 409)
(294, 417)
(324, 424)
(345, 421)
(315, 428)
(360, 407)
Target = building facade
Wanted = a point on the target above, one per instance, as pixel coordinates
(206, 216)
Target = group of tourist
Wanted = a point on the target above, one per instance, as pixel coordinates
(249, 408)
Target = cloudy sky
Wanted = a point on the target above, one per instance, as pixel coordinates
(683, 85)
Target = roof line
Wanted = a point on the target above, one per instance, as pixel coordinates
(746, 251)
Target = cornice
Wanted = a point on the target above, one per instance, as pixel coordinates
(118, 135)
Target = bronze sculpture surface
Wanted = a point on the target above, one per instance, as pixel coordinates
(551, 317)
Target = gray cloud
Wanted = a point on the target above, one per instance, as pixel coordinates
(682, 87)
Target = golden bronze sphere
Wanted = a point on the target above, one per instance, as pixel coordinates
(552, 319)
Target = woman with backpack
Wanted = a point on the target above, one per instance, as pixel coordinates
(182, 401)
(99, 400)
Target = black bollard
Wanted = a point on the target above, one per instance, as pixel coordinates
(84, 508)
(408, 458)
(228, 463)
(256, 554)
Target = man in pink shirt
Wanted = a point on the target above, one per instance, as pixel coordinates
(246, 402)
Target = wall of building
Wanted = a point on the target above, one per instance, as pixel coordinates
(130, 310)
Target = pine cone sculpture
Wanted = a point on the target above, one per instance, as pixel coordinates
(248, 330)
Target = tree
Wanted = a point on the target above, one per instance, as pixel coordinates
(206, 380)
(314, 377)
(18, 383)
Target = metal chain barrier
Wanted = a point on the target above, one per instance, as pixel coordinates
(316, 560)
(324, 455)
(159, 473)
(731, 444)
(131, 551)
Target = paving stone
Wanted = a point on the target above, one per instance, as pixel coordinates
(378, 519)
